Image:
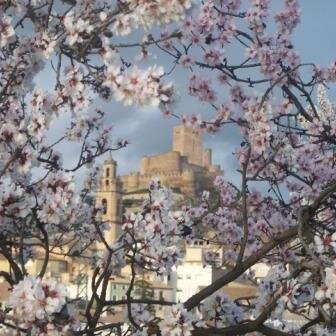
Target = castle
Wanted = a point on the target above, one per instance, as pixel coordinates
(187, 169)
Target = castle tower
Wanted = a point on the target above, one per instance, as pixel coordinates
(109, 197)
(189, 142)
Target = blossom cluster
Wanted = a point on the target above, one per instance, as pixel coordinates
(178, 321)
(328, 288)
(36, 302)
(221, 310)
(157, 232)
(142, 88)
(148, 14)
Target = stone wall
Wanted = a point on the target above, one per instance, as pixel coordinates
(189, 181)
(167, 162)
(184, 181)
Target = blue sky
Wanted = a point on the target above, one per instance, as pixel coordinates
(150, 133)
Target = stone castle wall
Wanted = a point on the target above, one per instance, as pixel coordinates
(185, 180)
(188, 181)
(164, 163)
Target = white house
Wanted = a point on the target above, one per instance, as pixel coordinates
(187, 279)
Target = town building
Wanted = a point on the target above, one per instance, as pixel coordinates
(189, 277)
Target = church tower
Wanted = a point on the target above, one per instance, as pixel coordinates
(189, 142)
(109, 197)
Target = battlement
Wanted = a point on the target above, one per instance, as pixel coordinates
(166, 162)
(171, 173)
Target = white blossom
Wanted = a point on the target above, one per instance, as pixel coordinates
(33, 299)
(177, 322)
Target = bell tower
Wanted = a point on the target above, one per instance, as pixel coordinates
(109, 198)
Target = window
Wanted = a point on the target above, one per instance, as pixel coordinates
(114, 286)
(107, 172)
(123, 287)
(161, 295)
(104, 205)
(168, 277)
(114, 298)
(63, 266)
(107, 183)
(188, 276)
